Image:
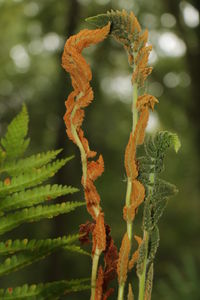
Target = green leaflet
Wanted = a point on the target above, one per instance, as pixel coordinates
(154, 243)
(29, 163)
(14, 246)
(33, 214)
(25, 258)
(33, 178)
(149, 283)
(14, 141)
(34, 196)
(48, 291)
(76, 249)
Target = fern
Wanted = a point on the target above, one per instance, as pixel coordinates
(15, 142)
(35, 196)
(157, 194)
(21, 196)
(50, 291)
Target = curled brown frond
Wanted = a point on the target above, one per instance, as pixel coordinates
(122, 265)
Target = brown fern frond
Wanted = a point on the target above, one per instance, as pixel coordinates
(130, 293)
(122, 265)
(99, 233)
(130, 163)
(99, 285)
(135, 255)
(108, 293)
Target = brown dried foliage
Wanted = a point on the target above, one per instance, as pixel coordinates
(122, 265)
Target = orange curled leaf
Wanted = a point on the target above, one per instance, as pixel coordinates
(99, 285)
(99, 233)
(122, 265)
(95, 168)
(135, 255)
(141, 126)
(137, 193)
(146, 100)
(92, 198)
(130, 164)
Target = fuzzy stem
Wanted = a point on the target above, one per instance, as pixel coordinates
(142, 277)
(95, 262)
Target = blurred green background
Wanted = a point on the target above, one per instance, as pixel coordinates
(32, 36)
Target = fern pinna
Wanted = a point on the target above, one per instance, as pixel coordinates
(24, 198)
(143, 186)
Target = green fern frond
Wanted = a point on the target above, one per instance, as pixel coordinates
(28, 164)
(157, 190)
(76, 249)
(14, 246)
(15, 142)
(34, 196)
(43, 248)
(36, 213)
(48, 291)
(33, 178)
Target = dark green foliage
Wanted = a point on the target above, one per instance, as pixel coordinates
(21, 196)
(157, 191)
(15, 142)
(50, 291)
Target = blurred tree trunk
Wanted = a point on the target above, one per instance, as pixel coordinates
(59, 226)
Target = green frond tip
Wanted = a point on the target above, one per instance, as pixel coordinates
(176, 143)
(51, 291)
(15, 142)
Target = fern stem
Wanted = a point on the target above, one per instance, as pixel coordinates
(79, 144)
(121, 291)
(142, 277)
(129, 224)
(95, 262)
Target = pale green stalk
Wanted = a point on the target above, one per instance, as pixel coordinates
(129, 223)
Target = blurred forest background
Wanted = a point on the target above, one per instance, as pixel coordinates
(32, 36)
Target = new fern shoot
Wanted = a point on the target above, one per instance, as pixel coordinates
(144, 187)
